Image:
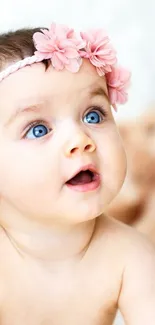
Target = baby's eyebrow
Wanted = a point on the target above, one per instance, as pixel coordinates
(35, 108)
(99, 91)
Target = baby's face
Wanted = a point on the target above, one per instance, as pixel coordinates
(51, 125)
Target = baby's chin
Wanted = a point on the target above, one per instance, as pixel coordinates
(85, 211)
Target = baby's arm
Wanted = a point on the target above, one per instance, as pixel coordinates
(137, 297)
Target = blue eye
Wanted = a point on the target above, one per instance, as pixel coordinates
(93, 117)
(37, 131)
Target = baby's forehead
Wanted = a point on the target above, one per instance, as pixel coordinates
(36, 81)
(36, 86)
(80, 84)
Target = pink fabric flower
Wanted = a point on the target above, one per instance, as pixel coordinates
(60, 46)
(99, 51)
(118, 82)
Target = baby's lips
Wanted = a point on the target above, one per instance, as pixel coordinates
(89, 167)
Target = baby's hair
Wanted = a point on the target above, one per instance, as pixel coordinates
(17, 45)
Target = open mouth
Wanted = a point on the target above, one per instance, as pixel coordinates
(84, 180)
(83, 177)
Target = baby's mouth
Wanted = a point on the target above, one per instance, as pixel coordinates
(86, 179)
(83, 177)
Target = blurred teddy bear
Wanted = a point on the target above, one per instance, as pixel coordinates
(135, 204)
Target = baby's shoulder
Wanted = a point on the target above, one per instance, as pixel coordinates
(117, 250)
(122, 241)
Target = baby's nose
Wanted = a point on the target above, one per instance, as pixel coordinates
(79, 143)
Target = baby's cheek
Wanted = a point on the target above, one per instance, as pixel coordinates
(23, 169)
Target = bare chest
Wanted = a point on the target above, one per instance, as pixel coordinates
(37, 297)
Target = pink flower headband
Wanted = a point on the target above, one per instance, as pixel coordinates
(60, 45)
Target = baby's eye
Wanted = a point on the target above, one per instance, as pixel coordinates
(94, 116)
(37, 131)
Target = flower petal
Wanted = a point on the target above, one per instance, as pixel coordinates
(56, 63)
(62, 57)
(43, 55)
(71, 53)
(66, 43)
(87, 36)
(74, 65)
(100, 71)
(39, 37)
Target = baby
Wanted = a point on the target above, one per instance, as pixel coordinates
(62, 261)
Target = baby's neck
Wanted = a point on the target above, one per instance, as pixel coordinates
(54, 243)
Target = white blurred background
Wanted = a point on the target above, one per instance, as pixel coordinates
(130, 23)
